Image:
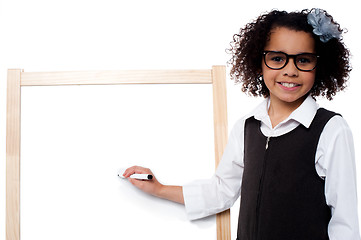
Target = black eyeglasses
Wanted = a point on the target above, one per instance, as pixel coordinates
(277, 60)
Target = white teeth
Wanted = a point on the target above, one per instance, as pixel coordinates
(289, 85)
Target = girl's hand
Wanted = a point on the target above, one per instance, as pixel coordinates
(153, 187)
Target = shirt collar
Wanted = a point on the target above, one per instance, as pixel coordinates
(304, 114)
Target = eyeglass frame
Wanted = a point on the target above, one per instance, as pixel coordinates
(288, 56)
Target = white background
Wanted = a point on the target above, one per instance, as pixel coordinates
(110, 35)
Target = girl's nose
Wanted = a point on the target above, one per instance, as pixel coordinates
(290, 69)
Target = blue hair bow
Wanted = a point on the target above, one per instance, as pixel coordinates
(323, 26)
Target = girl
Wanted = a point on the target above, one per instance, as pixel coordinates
(291, 162)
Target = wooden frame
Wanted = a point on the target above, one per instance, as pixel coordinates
(18, 78)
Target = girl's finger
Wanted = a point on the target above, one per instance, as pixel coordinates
(136, 169)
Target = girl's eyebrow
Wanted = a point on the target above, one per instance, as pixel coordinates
(265, 50)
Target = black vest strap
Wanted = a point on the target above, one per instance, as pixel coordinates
(282, 196)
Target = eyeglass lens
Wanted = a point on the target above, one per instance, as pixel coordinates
(278, 60)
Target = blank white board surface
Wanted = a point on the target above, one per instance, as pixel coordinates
(75, 138)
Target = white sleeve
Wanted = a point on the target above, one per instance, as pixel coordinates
(206, 197)
(337, 158)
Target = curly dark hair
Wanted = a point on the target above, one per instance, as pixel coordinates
(333, 65)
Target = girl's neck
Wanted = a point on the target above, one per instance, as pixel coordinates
(280, 110)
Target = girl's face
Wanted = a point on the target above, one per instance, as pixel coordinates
(289, 85)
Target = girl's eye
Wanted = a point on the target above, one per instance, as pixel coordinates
(304, 60)
(278, 59)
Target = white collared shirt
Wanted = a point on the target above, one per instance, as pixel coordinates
(334, 161)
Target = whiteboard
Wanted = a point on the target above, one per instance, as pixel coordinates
(75, 138)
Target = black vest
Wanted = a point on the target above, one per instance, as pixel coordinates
(282, 195)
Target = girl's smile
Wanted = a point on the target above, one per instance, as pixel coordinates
(288, 86)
